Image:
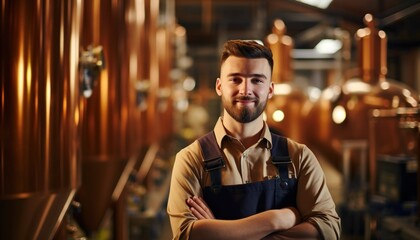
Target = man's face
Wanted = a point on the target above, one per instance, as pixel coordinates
(245, 86)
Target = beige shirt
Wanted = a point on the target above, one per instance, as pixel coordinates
(314, 201)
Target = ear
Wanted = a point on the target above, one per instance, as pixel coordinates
(271, 90)
(219, 87)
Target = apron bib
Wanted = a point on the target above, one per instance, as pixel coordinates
(239, 201)
(242, 200)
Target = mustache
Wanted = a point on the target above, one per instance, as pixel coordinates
(245, 98)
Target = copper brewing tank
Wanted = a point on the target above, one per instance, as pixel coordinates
(39, 166)
(108, 137)
(284, 109)
(343, 110)
(402, 123)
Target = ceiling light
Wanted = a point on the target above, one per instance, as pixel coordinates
(328, 46)
(317, 3)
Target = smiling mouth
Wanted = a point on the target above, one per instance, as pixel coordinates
(245, 100)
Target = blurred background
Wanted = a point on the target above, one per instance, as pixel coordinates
(97, 97)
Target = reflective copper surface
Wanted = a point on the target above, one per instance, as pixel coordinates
(342, 113)
(400, 123)
(39, 166)
(109, 138)
(284, 109)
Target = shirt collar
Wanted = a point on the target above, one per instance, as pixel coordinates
(220, 133)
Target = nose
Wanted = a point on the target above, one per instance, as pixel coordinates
(245, 88)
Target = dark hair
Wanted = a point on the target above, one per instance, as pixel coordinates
(246, 49)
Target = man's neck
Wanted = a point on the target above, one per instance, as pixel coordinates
(247, 133)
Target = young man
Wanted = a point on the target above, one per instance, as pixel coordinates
(262, 186)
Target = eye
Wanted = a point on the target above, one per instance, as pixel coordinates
(236, 80)
(257, 80)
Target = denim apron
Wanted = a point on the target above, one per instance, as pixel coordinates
(242, 200)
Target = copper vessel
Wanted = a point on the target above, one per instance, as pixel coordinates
(39, 166)
(284, 109)
(403, 123)
(108, 141)
(342, 113)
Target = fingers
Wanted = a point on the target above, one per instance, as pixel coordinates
(196, 213)
(199, 208)
(205, 207)
(200, 202)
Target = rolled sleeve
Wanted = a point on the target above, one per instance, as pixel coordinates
(314, 200)
(184, 184)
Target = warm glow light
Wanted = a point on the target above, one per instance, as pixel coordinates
(331, 92)
(20, 87)
(278, 115)
(28, 76)
(314, 93)
(180, 31)
(139, 5)
(104, 106)
(406, 93)
(317, 3)
(282, 89)
(395, 102)
(76, 116)
(47, 118)
(328, 46)
(412, 101)
(20, 79)
(376, 113)
(188, 84)
(384, 85)
(182, 105)
(272, 38)
(133, 67)
(356, 86)
(339, 114)
(61, 40)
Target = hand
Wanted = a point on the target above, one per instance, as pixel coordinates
(199, 208)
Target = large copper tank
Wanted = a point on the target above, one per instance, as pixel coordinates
(108, 138)
(39, 167)
(284, 109)
(402, 123)
(343, 110)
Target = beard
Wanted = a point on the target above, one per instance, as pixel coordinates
(244, 114)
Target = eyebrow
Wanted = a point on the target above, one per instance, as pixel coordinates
(248, 75)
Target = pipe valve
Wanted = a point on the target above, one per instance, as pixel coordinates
(91, 61)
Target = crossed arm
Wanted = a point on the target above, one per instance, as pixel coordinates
(272, 224)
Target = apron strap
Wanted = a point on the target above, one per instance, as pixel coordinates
(280, 155)
(213, 158)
